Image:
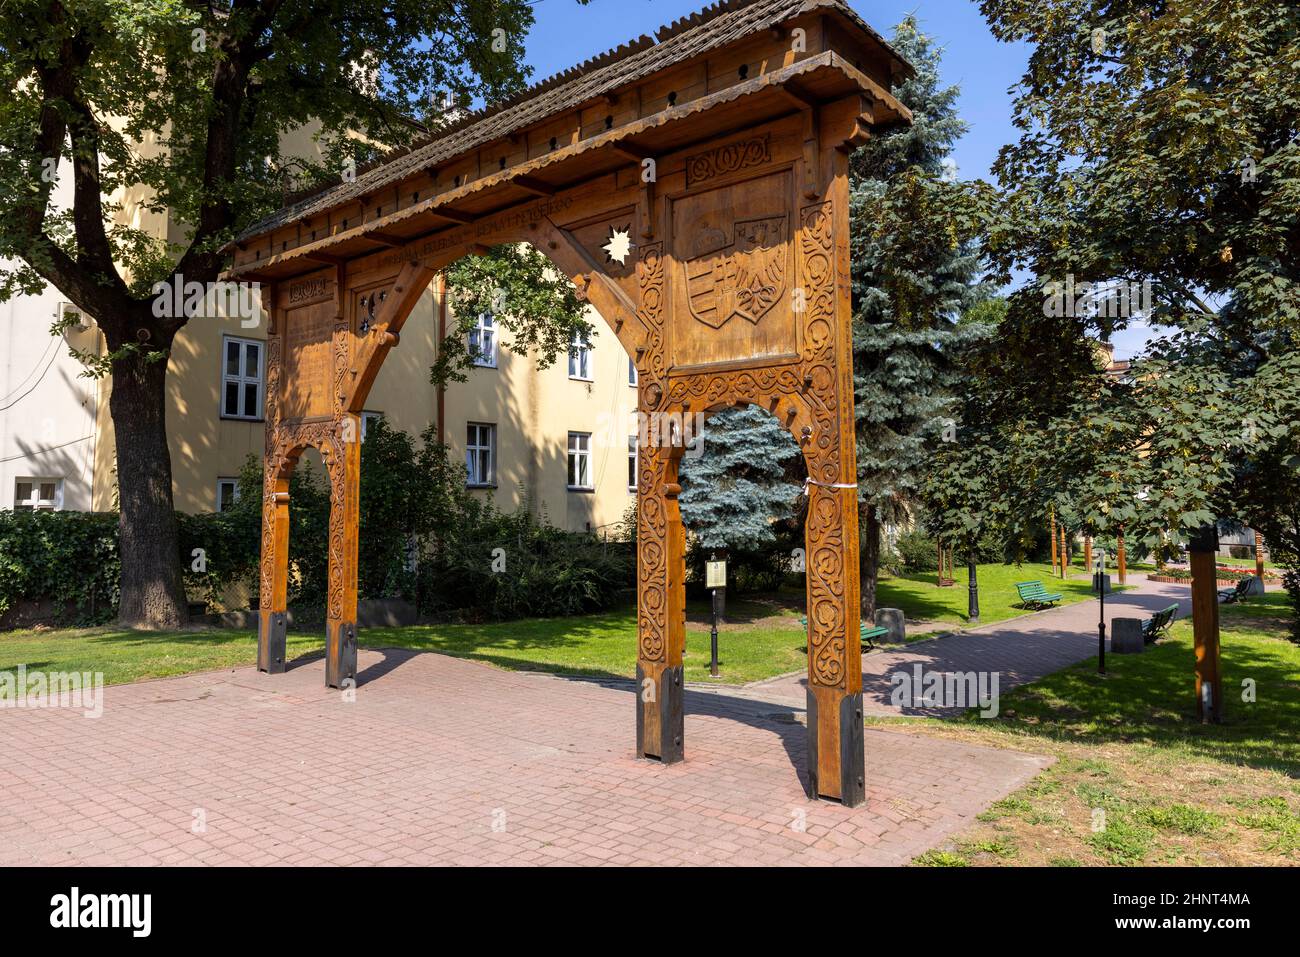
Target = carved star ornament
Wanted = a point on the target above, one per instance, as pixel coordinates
(619, 245)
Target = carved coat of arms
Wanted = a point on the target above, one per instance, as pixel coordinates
(742, 274)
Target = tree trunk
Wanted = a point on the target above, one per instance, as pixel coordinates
(869, 561)
(973, 587)
(153, 593)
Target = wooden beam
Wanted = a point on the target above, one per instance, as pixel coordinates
(535, 186)
(386, 239)
(460, 219)
(371, 349)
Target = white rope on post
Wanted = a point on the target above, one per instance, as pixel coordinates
(812, 481)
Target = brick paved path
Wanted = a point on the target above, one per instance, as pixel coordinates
(440, 760)
(1021, 650)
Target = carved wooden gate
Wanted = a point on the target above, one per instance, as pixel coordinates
(719, 151)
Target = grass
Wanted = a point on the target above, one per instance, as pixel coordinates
(1137, 778)
(763, 637)
(919, 597)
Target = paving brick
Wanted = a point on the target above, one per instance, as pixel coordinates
(419, 768)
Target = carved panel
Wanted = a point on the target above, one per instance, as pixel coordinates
(730, 158)
(732, 275)
(309, 358)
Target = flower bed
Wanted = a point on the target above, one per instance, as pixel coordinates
(1224, 573)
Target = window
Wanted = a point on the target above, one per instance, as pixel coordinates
(241, 379)
(480, 454)
(483, 341)
(580, 460)
(227, 493)
(367, 420)
(580, 357)
(631, 462)
(631, 372)
(38, 494)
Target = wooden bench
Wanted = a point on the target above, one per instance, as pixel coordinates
(869, 635)
(1155, 626)
(1034, 594)
(1230, 595)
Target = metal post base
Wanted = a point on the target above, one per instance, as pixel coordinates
(341, 655)
(659, 715)
(272, 641)
(845, 735)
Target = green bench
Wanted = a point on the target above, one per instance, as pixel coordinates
(1231, 595)
(869, 635)
(1155, 626)
(1033, 594)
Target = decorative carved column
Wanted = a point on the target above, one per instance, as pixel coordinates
(342, 453)
(660, 540)
(1122, 559)
(273, 591)
(272, 621)
(836, 759)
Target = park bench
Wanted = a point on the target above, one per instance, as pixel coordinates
(1154, 627)
(1235, 594)
(869, 635)
(1033, 593)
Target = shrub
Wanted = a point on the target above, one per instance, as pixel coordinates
(67, 558)
(500, 565)
(918, 551)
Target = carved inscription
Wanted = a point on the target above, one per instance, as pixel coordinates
(728, 159)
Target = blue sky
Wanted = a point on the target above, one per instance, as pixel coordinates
(985, 69)
(566, 33)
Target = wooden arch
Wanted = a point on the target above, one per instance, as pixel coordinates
(720, 150)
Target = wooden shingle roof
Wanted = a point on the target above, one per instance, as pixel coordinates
(709, 29)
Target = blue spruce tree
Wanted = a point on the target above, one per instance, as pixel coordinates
(915, 272)
(742, 483)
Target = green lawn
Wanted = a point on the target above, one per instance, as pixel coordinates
(919, 597)
(763, 639)
(1131, 756)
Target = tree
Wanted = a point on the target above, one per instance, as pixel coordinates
(735, 492)
(1157, 177)
(214, 85)
(915, 272)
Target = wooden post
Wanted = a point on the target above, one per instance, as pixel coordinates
(1087, 553)
(1120, 558)
(1065, 553)
(1259, 557)
(1205, 624)
(938, 577)
(661, 600)
(272, 621)
(342, 454)
(1052, 516)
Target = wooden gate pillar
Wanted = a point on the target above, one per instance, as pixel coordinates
(272, 620)
(342, 454)
(661, 603)
(836, 758)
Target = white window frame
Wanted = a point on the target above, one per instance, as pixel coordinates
(234, 486)
(242, 378)
(633, 460)
(580, 350)
(35, 503)
(366, 419)
(485, 329)
(578, 462)
(478, 445)
(633, 377)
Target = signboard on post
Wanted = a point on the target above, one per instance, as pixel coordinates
(716, 574)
